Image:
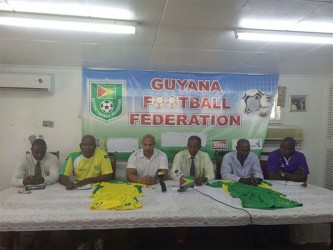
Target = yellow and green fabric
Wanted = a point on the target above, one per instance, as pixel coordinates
(116, 195)
(260, 197)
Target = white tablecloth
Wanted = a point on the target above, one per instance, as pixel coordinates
(317, 206)
(55, 208)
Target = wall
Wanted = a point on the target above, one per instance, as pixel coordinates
(22, 113)
(312, 121)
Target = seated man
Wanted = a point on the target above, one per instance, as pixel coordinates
(144, 163)
(37, 167)
(193, 162)
(242, 165)
(287, 164)
(88, 165)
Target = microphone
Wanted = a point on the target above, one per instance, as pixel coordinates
(179, 174)
(160, 175)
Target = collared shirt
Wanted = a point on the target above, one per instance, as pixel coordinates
(232, 169)
(49, 166)
(276, 162)
(81, 167)
(203, 165)
(145, 166)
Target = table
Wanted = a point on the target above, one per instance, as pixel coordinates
(317, 206)
(56, 208)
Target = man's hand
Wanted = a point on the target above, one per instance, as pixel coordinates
(250, 181)
(82, 182)
(37, 180)
(299, 171)
(200, 180)
(148, 180)
(33, 180)
(27, 180)
(71, 185)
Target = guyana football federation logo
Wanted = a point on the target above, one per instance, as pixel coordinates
(106, 99)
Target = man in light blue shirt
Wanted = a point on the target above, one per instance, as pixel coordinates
(242, 165)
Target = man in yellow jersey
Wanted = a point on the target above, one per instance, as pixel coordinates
(88, 165)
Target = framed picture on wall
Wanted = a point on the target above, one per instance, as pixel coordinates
(298, 103)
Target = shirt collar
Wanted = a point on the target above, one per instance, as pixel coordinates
(143, 156)
(34, 161)
(190, 156)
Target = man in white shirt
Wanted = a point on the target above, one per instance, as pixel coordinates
(37, 167)
(144, 163)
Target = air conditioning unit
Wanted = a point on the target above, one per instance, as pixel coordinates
(277, 133)
(37, 82)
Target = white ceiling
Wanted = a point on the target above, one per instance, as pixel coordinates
(175, 35)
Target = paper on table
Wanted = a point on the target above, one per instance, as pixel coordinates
(87, 186)
(35, 187)
(289, 183)
(293, 183)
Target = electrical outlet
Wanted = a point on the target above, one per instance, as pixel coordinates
(49, 124)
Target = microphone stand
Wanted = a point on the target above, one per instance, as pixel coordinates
(160, 175)
(179, 175)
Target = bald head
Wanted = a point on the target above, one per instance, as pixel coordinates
(289, 141)
(148, 136)
(38, 149)
(193, 144)
(39, 142)
(243, 149)
(88, 145)
(243, 142)
(88, 138)
(287, 147)
(148, 144)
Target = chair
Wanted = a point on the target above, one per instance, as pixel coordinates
(264, 165)
(56, 153)
(113, 159)
(218, 161)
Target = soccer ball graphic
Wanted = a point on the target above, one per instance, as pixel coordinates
(106, 106)
(256, 100)
(158, 102)
(171, 102)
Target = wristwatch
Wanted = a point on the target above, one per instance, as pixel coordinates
(283, 175)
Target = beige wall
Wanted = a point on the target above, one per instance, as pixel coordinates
(312, 121)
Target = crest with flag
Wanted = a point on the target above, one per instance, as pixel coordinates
(106, 99)
(186, 182)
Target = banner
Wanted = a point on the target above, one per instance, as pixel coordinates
(120, 106)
